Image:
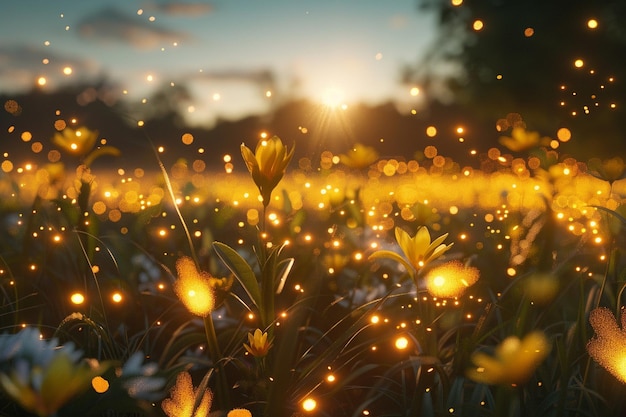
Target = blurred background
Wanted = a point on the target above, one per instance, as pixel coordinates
(324, 75)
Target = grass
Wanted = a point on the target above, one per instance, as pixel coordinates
(357, 336)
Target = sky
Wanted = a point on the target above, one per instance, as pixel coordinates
(237, 57)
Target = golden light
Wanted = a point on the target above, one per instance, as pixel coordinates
(401, 343)
(333, 98)
(193, 287)
(607, 345)
(478, 25)
(42, 81)
(100, 385)
(414, 91)
(77, 298)
(450, 279)
(456, 3)
(187, 138)
(592, 24)
(185, 398)
(564, 134)
(579, 63)
(309, 404)
(67, 71)
(431, 131)
(116, 297)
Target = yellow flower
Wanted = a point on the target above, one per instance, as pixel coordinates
(450, 279)
(608, 346)
(418, 250)
(258, 345)
(514, 360)
(521, 140)
(193, 287)
(76, 141)
(45, 389)
(267, 164)
(81, 142)
(183, 399)
(359, 157)
(239, 412)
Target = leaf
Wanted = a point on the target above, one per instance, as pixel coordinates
(287, 206)
(387, 254)
(618, 216)
(240, 268)
(104, 150)
(284, 267)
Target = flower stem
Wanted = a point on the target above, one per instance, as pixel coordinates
(222, 391)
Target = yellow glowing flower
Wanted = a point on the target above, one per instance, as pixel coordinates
(76, 141)
(193, 287)
(608, 346)
(183, 399)
(239, 412)
(514, 360)
(267, 164)
(418, 250)
(44, 390)
(450, 279)
(521, 140)
(359, 157)
(258, 345)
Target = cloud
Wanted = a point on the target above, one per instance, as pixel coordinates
(109, 25)
(23, 64)
(398, 21)
(261, 77)
(175, 8)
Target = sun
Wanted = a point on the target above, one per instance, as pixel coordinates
(333, 98)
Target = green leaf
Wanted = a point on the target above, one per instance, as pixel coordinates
(287, 206)
(242, 271)
(284, 267)
(618, 216)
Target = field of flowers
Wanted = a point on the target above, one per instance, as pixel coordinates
(349, 285)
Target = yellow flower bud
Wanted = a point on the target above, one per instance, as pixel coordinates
(267, 164)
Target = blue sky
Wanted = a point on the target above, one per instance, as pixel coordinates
(224, 50)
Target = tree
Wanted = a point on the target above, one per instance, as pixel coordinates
(557, 63)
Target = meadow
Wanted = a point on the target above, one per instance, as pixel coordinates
(341, 285)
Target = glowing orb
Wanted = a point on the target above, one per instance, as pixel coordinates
(309, 404)
(77, 298)
(100, 385)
